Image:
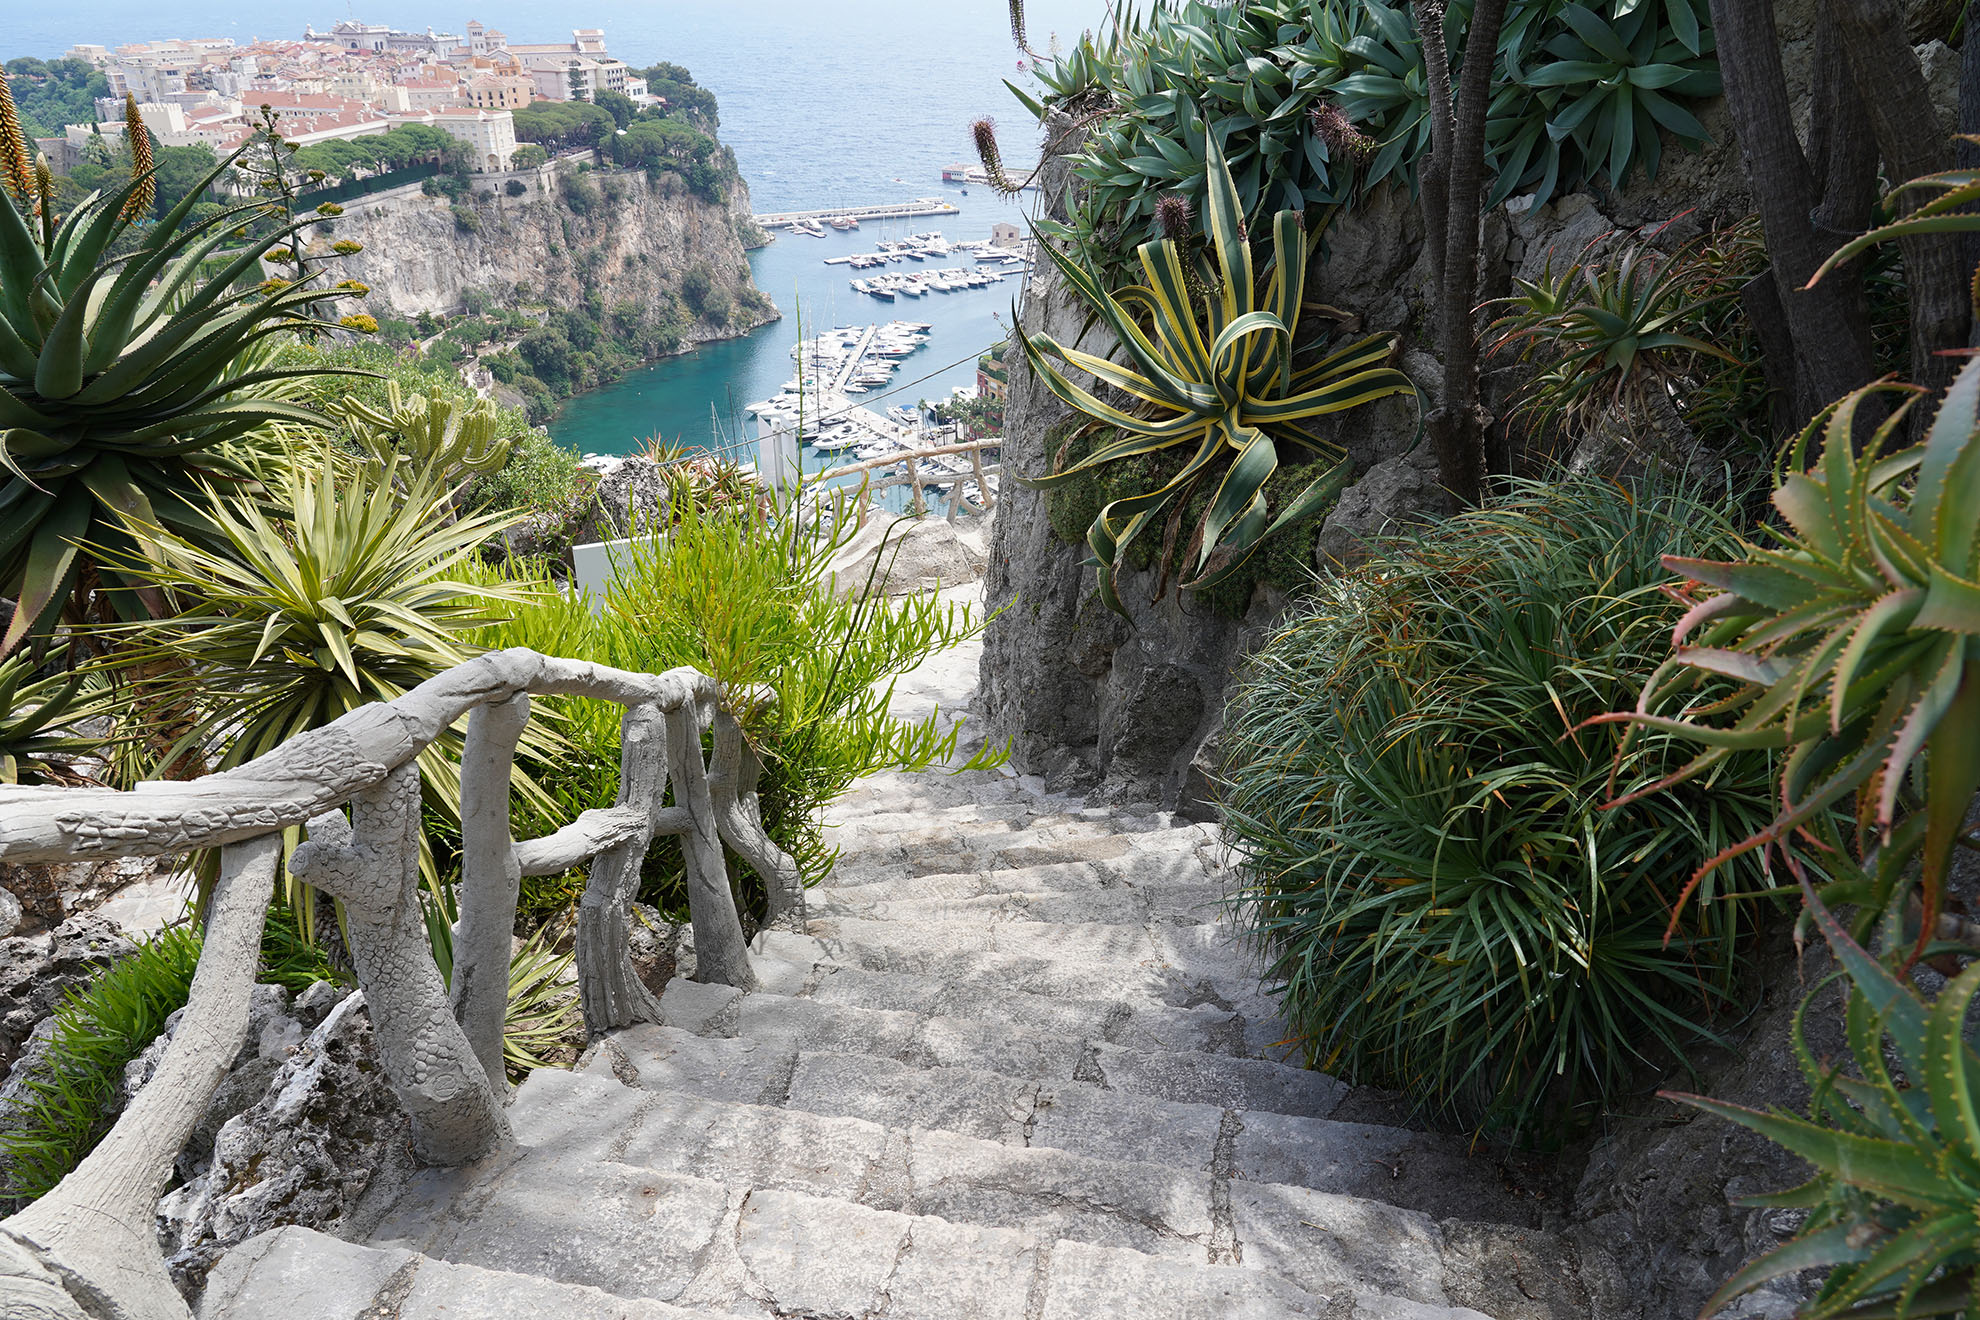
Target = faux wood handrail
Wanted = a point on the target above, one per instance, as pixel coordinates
(441, 1046)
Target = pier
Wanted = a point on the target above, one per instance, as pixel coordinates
(920, 206)
(854, 361)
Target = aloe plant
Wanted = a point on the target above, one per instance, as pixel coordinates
(1214, 374)
(118, 390)
(1857, 641)
(1612, 333)
(428, 433)
(1893, 1209)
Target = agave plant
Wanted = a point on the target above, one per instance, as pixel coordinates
(118, 392)
(1893, 1211)
(1214, 374)
(39, 738)
(1857, 641)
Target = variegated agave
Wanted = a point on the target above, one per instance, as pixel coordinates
(1857, 642)
(1211, 369)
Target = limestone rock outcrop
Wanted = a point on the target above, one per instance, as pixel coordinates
(630, 245)
(323, 1128)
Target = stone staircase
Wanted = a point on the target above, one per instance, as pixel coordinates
(1019, 1069)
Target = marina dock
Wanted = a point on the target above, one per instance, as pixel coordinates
(886, 211)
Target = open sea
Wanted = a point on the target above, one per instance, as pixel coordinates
(825, 102)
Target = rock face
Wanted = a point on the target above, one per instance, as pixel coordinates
(1061, 675)
(630, 244)
(1656, 1194)
(321, 1129)
(37, 970)
(903, 555)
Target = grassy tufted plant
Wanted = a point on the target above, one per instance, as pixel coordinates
(1444, 905)
(1212, 373)
(119, 389)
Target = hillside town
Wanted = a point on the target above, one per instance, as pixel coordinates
(356, 80)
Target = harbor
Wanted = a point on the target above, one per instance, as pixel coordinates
(806, 222)
(701, 397)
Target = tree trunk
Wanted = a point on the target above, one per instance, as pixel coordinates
(1892, 90)
(1453, 205)
(1829, 346)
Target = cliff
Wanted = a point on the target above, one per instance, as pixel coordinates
(618, 236)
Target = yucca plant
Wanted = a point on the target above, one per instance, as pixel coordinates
(1856, 642)
(118, 392)
(1214, 373)
(543, 1008)
(1893, 1211)
(39, 718)
(1444, 907)
(289, 625)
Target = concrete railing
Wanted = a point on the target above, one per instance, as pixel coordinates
(440, 1046)
(913, 480)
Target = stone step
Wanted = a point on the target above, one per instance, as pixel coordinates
(1422, 1170)
(1144, 1024)
(1128, 1199)
(1165, 905)
(1179, 965)
(1135, 870)
(938, 849)
(299, 1274)
(893, 791)
(934, 1041)
(1000, 813)
(700, 1242)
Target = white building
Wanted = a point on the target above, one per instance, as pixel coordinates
(576, 77)
(491, 134)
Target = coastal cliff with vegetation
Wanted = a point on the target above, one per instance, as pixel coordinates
(599, 270)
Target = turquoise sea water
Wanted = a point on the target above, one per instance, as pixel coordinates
(826, 103)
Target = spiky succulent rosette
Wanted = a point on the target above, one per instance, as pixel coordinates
(118, 386)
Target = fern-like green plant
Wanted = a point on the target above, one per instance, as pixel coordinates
(1212, 371)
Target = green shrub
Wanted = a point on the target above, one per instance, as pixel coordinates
(1316, 103)
(742, 596)
(99, 1028)
(1445, 904)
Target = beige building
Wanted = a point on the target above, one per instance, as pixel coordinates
(574, 77)
(500, 92)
